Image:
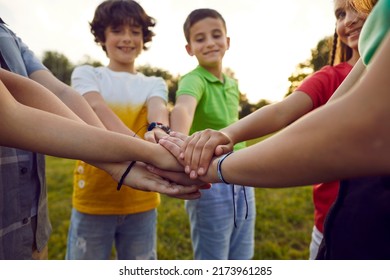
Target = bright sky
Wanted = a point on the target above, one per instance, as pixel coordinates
(268, 37)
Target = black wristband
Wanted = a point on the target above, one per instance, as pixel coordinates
(120, 183)
(219, 170)
(153, 125)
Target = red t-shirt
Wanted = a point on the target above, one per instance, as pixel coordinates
(320, 86)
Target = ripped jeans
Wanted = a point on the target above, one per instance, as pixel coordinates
(91, 237)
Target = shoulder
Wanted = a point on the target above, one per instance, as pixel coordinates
(343, 66)
(83, 68)
(192, 79)
(195, 76)
(330, 71)
(90, 71)
(86, 67)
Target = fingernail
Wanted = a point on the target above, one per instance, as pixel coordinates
(193, 174)
(201, 171)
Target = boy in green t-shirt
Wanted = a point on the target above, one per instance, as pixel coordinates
(222, 220)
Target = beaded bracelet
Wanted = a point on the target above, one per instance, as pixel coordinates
(120, 183)
(219, 171)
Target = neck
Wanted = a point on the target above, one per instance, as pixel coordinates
(216, 71)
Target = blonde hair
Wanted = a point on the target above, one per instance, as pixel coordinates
(363, 6)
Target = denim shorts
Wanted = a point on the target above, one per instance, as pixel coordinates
(213, 218)
(92, 237)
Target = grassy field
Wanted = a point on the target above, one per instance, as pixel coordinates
(283, 223)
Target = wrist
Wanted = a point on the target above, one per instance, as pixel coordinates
(212, 174)
(219, 168)
(154, 125)
(229, 135)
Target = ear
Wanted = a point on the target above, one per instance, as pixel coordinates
(228, 42)
(189, 50)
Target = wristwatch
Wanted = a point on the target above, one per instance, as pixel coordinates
(153, 125)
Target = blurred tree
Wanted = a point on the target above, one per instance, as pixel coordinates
(319, 58)
(90, 61)
(59, 65)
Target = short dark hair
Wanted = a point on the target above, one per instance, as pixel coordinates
(197, 15)
(114, 13)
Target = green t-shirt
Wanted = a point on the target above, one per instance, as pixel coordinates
(374, 30)
(217, 102)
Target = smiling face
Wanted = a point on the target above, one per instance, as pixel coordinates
(348, 23)
(123, 45)
(208, 42)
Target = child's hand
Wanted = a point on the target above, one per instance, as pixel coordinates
(165, 159)
(197, 150)
(141, 179)
(178, 177)
(155, 135)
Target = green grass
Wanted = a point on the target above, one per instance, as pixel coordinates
(283, 223)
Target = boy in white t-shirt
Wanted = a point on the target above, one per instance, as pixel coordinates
(126, 101)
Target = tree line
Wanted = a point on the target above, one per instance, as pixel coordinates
(62, 68)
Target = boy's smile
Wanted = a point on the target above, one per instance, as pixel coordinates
(123, 45)
(208, 42)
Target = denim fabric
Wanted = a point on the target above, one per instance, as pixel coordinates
(91, 237)
(214, 236)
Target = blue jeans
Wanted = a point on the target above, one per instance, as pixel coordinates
(214, 236)
(91, 237)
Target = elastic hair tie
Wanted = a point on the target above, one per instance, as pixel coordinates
(120, 183)
(219, 171)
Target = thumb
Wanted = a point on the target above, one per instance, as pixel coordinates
(222, 149)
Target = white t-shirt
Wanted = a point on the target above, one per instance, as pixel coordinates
(126, 94)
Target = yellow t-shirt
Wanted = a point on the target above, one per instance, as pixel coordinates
(94, 190)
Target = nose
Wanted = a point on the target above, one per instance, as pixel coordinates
(127, 36)
(210, 42)
(351, 18)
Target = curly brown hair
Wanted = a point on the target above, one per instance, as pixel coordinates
(115, 13)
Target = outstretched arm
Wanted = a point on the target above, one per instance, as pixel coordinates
(198, 149)
(346, 138)
(68, 96)
(33, 129)
(62, 133)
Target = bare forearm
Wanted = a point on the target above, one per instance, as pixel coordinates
(68, 96)
(310, 152)
(180, 120)
(346, 138)
(270, 118)
(158, 111)
(34, 95)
